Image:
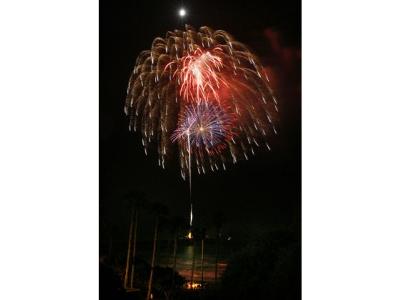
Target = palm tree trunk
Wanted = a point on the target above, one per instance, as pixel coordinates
(170, 255)
(110, 245)
(153, 259)
(175, 249)
(193, 262)
(129, 254)
(134, 248)
(202, 261)
(174, 260)
(216, 260)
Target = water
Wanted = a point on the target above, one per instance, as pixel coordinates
(184, 257)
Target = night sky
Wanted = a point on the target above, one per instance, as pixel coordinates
(262, 193)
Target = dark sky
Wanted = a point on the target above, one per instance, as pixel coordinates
(261, 193)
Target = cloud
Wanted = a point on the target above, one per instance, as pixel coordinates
(283, 62)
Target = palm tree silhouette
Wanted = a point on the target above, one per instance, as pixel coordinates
(140, 204)
(177, 225)
(218, 222)
(195, 236)
(202, 236)
(136, 201)
(128, 256)
(159, 210)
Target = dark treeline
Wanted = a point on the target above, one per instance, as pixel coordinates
(266, 265)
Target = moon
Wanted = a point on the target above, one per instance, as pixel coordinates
(182, 12)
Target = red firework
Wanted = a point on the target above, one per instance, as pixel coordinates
(199, 74)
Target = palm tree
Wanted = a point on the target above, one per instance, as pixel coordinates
(129, 250)
(177, 224)
(195, 235)
(202, 236)
(159, 210)
(134, 201)
(140, 203)
(218, 221)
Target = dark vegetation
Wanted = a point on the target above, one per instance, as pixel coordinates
(266, 266)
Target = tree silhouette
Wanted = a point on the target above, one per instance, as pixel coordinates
(136, 201)
(267, 268)
(219, 220)
(140, 204)
(202, 236)
(128, 256)
(159, 210)
(177, 225)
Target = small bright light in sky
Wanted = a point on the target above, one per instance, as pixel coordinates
(182, 12)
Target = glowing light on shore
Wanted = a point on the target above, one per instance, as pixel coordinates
(193, 285)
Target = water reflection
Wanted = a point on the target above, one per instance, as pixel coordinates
(184, 259)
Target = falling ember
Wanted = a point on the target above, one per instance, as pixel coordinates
(204, 91)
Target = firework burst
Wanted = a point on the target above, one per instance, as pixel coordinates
(203, 128)
(205, 91)
(199, 75)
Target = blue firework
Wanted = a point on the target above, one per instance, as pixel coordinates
(204, 125)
